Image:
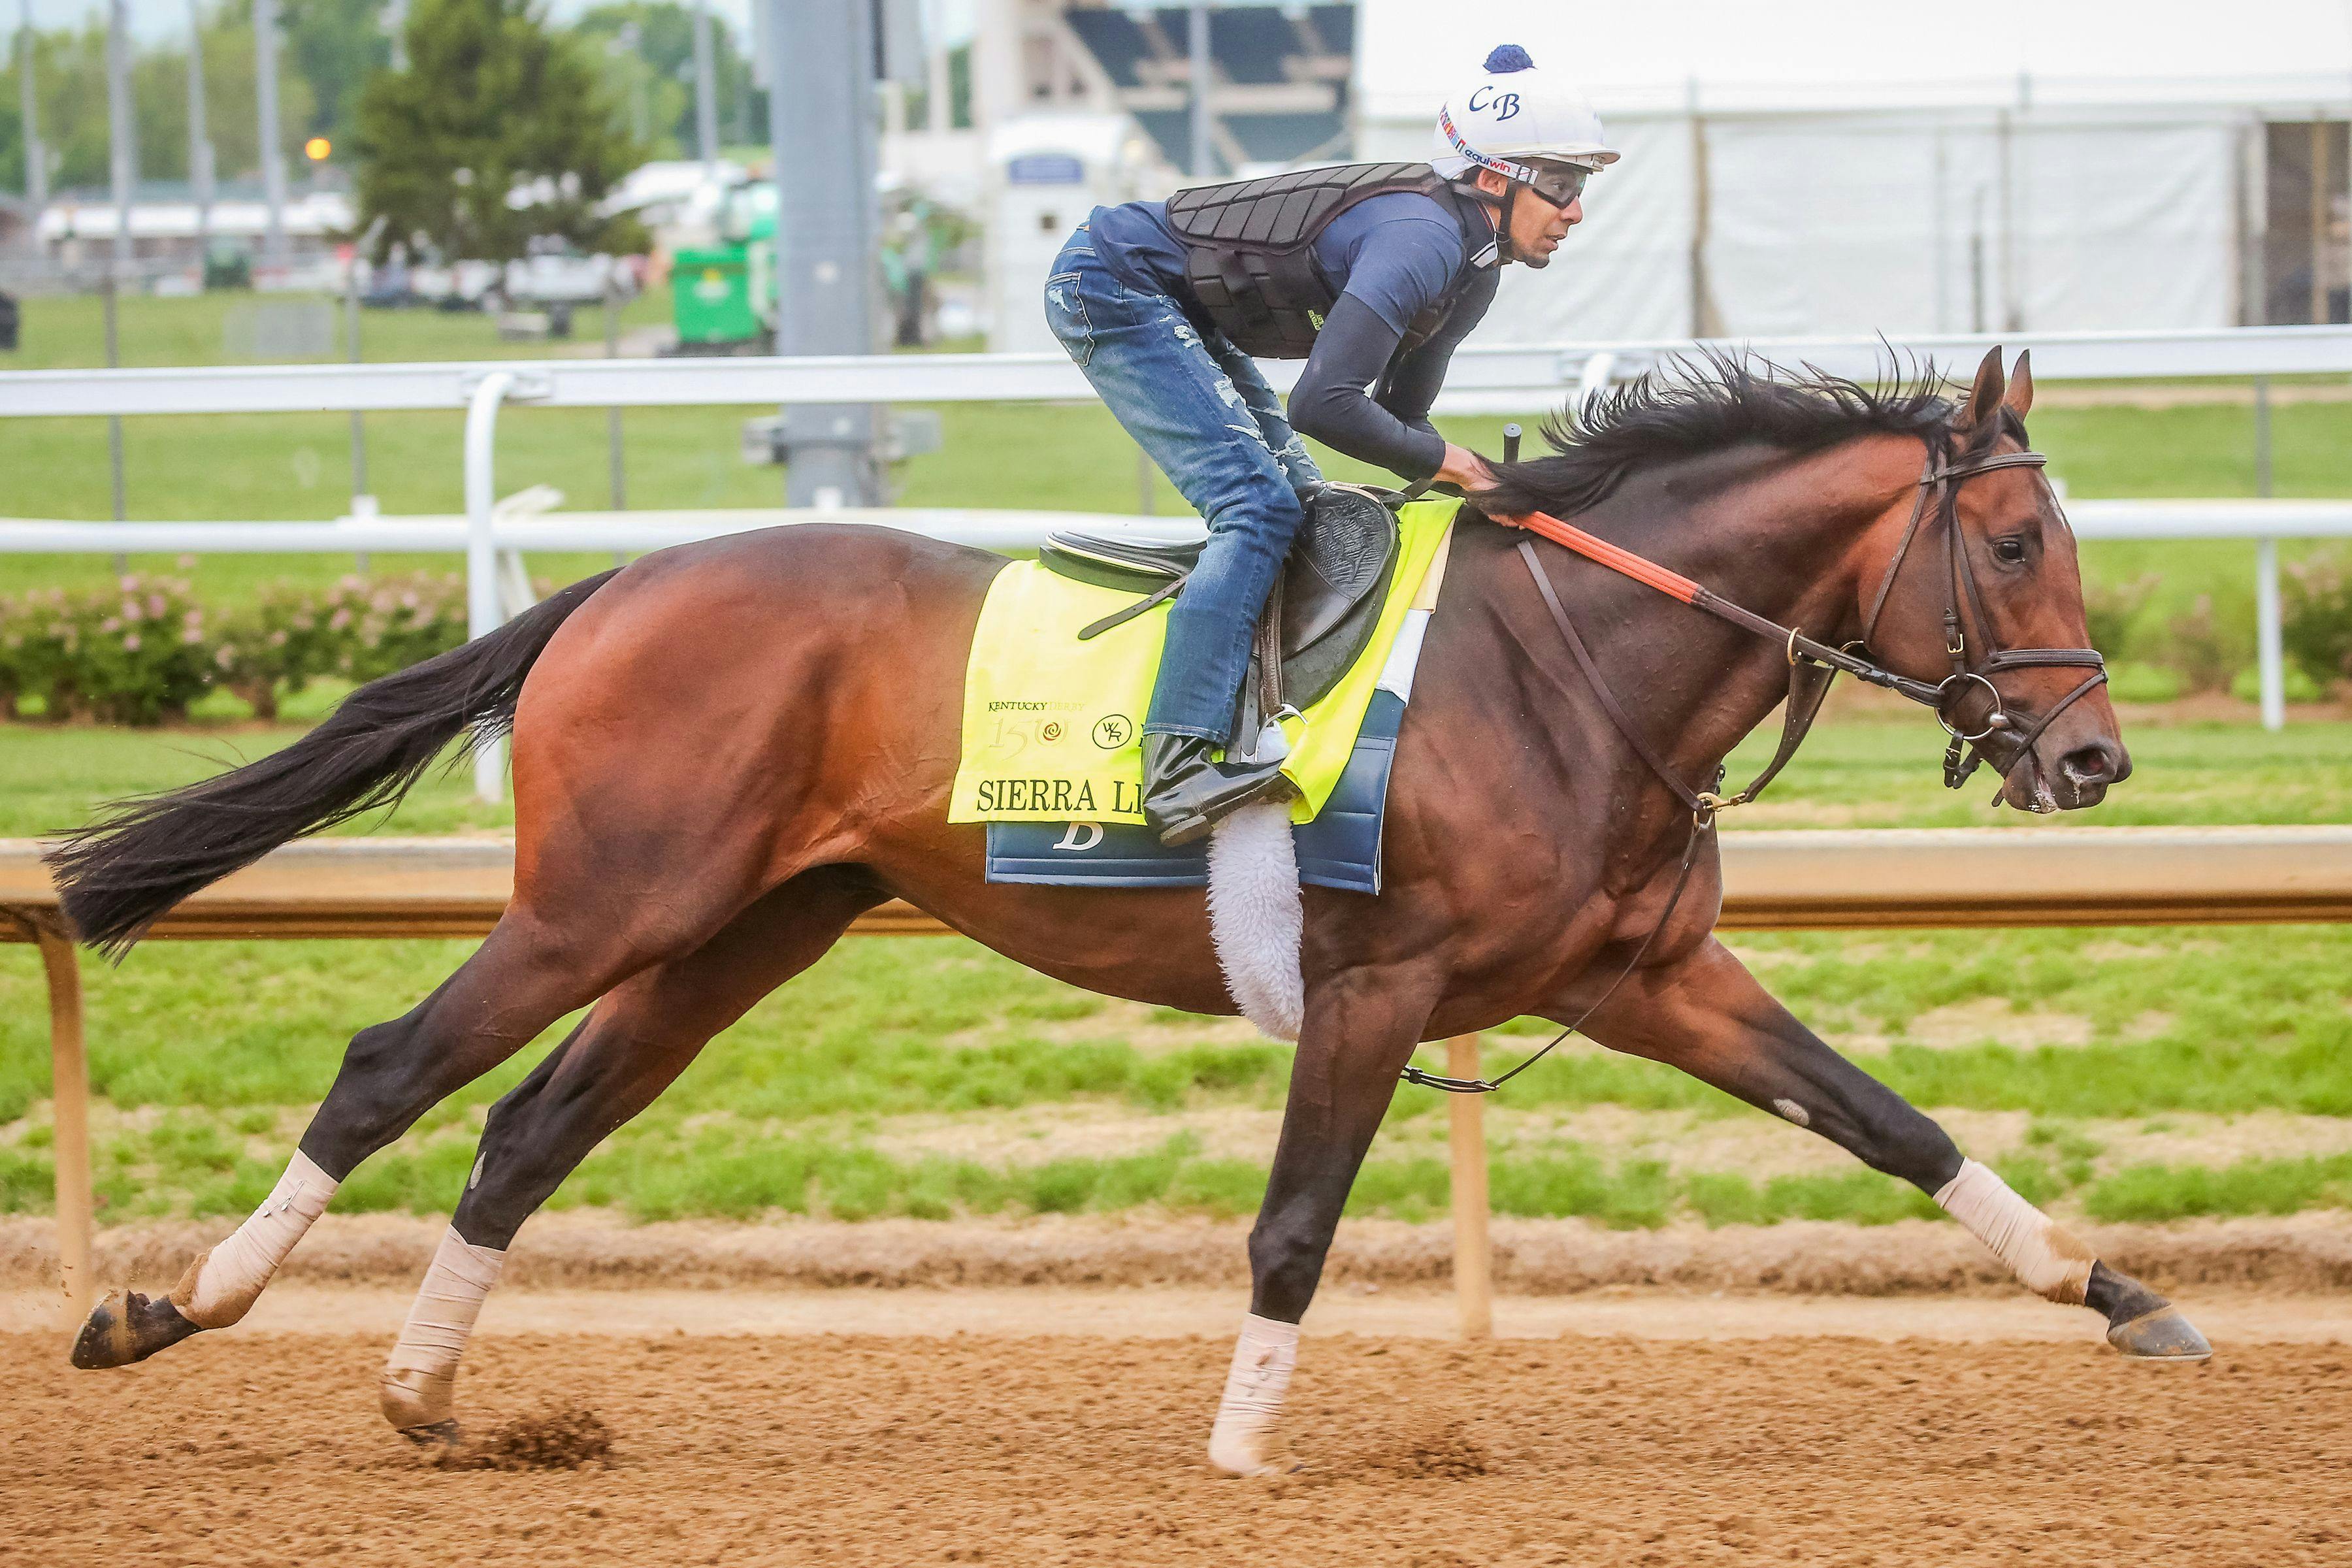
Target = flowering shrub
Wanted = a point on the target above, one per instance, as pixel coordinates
(2198, 650)
(2316, 616)
(2112, 607)
(141, 651)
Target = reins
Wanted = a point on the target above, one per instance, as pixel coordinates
(1812, 666)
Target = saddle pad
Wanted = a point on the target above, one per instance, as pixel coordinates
(1053, 726)
(1341, 849)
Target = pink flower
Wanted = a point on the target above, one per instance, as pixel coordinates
(111, 624)
(224, 657)
(278, 640)
(155, 606)
(339, 620)
(192, 636)
(131, 643)
(131, 609)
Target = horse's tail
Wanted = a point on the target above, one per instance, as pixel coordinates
(146, 854)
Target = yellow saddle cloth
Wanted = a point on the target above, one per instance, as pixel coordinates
(1053, 726)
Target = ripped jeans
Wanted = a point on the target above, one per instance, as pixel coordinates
(1198, 405)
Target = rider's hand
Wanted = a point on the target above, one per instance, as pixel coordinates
(1465, 467)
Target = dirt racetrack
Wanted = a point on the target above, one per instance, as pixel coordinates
(1016, 1447)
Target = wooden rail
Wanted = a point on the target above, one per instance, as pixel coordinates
(1772, 881)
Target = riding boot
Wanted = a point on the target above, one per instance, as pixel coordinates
(1185, 792)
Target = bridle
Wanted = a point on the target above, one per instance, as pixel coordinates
(1939, 490)
(1812, 666)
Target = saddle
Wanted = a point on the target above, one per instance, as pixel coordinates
(1321, 613)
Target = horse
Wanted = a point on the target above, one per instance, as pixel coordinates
(726, 751)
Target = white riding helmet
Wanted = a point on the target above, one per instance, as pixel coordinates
(1514, 115)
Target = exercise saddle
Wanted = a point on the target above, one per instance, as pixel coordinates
(1321, 613)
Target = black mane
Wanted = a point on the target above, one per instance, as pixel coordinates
(1708, 403)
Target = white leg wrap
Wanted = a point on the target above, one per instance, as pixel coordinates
(1264, 1358)
(2047, 1259)
(422, 1371)
(220, 1286)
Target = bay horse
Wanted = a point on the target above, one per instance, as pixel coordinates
(725, 751)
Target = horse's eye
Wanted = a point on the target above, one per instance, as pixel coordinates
(2010, 551)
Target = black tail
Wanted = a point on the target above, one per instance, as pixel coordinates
(146, 854)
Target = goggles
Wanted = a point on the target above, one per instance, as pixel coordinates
(1558, 184)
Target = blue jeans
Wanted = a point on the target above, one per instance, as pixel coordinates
(1199, 406)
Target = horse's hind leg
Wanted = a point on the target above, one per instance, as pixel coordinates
(630, 1048)
(1707, 1016)
(527, 974)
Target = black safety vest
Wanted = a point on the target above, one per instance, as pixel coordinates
(1249, 249)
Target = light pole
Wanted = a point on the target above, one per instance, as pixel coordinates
(36, 157)
(706, 85)
(200, 143)
(821, 131)
(273, 154)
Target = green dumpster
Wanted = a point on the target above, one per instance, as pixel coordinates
(710, 297)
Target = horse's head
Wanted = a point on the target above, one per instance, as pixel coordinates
(1989, 552)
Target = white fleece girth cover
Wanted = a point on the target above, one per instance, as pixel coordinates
(1264, 1358)
(1256, 916)
(422, 1371)
(220, 1286)
(2047, 1259)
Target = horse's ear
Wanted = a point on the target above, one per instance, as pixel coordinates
(1986, 396)
(2019, 398)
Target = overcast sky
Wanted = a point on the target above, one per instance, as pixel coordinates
(163, 19)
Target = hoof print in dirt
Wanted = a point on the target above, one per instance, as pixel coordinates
(2161, 1335)
(128, 1327)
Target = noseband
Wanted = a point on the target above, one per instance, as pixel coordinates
(1939, 493)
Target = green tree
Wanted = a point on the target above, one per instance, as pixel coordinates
(657, 60)
(335, 46)
(499, 132)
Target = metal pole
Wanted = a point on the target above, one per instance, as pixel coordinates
(273, 154)
(1203, 134)
(2270, 654)
(36, 157)
(70, 1111)
(821, 96)
(351, 333)
(115, 421)
(620, 482)
(395, 22)
(200, 144)
(1473, 1260)
(482, 616)
(706, 85)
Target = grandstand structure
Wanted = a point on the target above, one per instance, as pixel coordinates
(1279, 86)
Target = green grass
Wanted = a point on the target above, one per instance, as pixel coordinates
(208, 1056)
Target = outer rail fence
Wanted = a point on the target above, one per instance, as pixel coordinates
(1508, 378)
(1773, 880)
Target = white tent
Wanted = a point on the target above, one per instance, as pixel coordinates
(1826, 166)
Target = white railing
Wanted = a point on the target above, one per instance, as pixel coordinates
(1510, 379)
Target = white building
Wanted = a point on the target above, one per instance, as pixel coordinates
(1823, 167)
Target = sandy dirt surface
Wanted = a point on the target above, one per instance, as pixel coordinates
(1019, 1447)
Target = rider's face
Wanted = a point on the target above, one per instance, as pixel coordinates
(1537, 226)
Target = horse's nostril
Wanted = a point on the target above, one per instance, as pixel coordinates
(2095, 764)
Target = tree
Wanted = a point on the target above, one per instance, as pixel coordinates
(335, 46)
(499, 132)
(660, 62)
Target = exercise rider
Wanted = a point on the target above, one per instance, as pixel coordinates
(1371, 273)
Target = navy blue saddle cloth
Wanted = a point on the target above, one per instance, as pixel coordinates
(1341, 849)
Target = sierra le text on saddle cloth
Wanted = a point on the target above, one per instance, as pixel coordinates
(1372, 273)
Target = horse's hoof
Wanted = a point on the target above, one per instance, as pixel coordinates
(436, 1435)
(2161, 1335)
(128, 1327)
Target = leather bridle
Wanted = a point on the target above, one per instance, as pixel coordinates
(1812, 665)
(1940, 488)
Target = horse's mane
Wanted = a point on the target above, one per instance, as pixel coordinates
(1704, 403)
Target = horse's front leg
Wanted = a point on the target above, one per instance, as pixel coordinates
(1707, 1015)
(1359, 1031)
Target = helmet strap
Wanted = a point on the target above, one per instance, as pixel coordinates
(1503, 222)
